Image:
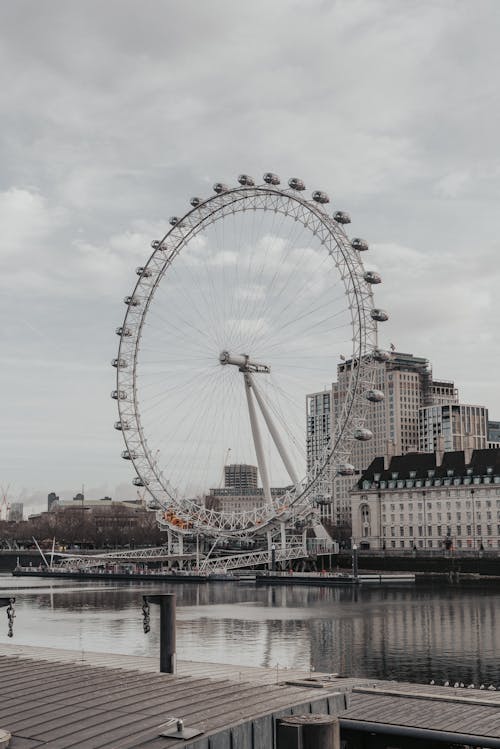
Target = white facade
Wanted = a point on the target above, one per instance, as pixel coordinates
(429, 501)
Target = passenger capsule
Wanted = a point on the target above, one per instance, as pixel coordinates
(123, 331)
(371, 277)
(363, 435)
(320, 197)
(155, 244)
(346, 469)
(375, 396)
(132, 301)
(129, 455)
(173, 220)
(246, 180)
(119, 363)
(341, 217)
(296, 184)
(195, 202)
(137, 481)
(119, 395)
(143, 272)
(121, 426)
(379, 314)
(271, 179)
(381, 355)
(359, 244)
(220, 187)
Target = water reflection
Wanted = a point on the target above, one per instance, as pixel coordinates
(405, 633)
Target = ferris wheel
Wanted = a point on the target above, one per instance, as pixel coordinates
(245, 306)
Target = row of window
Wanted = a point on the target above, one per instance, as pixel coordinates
(431, 544)
(438, 531)
(457, 504)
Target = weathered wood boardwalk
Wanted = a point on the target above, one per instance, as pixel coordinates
(57, 699)
(52, 699)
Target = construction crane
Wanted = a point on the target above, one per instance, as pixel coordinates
(4, 504)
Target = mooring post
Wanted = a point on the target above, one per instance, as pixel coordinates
(311, 731)
(167, 630)
(355, 561)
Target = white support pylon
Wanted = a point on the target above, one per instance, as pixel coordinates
(261, 462)
(274, 433)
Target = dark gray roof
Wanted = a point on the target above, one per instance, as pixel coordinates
(421, 463)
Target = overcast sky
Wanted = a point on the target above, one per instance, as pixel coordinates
(113, 114)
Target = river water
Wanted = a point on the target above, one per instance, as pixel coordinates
(405, 633)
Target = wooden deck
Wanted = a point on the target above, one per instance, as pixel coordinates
(63, 699)
(58, 700)
(461, 716)
(149, 664)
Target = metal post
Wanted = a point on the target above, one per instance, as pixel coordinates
(167, 630)
(283, 537)
(308, 732)
(273, 558)
(355, 561)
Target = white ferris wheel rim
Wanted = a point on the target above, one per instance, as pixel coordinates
(297, 504)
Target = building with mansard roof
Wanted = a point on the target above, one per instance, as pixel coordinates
(429, 501)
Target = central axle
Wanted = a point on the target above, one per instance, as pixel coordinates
(242, 361)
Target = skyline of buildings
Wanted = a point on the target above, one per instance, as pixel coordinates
(418, 411)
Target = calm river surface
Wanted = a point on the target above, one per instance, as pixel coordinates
(404, 633)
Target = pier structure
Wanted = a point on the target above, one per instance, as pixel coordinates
(112, 701)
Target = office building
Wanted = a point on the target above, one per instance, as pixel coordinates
(453, 426)
(493, 433)
(239, 476)
(52, 498)
(16, 512)
(318, 430)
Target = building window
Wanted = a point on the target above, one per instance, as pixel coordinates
(420, 530)
(410, 531)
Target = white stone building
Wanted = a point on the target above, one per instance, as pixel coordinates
(429, 501)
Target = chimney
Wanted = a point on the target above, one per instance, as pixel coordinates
(389, 453)
(439, 450)
(468, 449)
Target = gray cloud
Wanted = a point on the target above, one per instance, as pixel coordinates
(114, 114)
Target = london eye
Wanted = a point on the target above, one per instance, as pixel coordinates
(243, 307)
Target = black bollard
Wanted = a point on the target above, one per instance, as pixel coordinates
(167, 630)
(308, 732)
